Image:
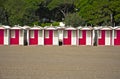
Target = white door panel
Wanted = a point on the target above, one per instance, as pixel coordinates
(107, 38)
(73, 38)
(88, 38)
(55, 37)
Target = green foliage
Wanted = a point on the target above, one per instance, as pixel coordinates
(98, 12)
(22, 12)
(74, 20)
(29, 12)
(35, 23)
(55, 23)
(45, 24)
(57, 3)
(49, 24)
(62, 6)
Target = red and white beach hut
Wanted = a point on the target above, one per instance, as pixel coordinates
(85, 35)
(116, 35)
(4, 35)
(36, 36)
(16, 35)
(70, 36)
(105, 36)
(51, 36)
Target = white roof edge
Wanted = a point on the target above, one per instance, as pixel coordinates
(60, 27)
(116, 28)
(16, 27)
(36, 28)
(25, 27)
(50, 28)
(86, 28)
(70, 28)
(5, 27)
(106, 28)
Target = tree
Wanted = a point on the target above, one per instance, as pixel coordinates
(99, 12)
(2, 12)
(22, 12)
(62, 6)
(74, 20)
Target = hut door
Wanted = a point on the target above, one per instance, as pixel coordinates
(74, 37)
(60, 35)
(12, 33)
(40, 38)
(55, 37)
(21, 38)
(2, 37)
(88, 38)
(25, 37)
(107, 38)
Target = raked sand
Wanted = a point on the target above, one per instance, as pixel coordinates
(59, 62)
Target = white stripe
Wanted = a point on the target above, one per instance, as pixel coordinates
(107, 37)
(73, 38)
(88, 37)
(55, 37)
(40, 37)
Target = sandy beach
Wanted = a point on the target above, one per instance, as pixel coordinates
(59, 62)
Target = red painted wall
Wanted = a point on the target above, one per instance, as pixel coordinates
(1, 36)
(82, 41)
(67, 41)
(117, 40)
(101, 41)
(15, 41)
(34, 41)
(49, 40)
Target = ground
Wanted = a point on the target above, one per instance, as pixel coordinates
(59, 62)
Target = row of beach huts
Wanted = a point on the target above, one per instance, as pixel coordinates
(17, 35)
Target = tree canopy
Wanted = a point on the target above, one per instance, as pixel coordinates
(90, 12)
(100, 12)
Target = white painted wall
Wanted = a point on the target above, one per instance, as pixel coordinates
(107, 37)
(93, 36)
(73, 38)
(55, 37)
(113, 31)
(28, 36)
(88, 37)
(60, 34)
(41, 37)
(21, 37)
(6, 37)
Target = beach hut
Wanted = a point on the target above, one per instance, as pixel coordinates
(16, 35)
(4, 35)
(116, 35)
(70, 36)
(85, 35)
(51, 36)
(105, 35)
(36, 36)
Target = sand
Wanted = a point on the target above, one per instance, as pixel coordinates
(59, 62)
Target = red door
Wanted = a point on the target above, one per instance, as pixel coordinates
(48, 37)
(117, 37)
(101, 40)
(14, 37)
(82, 39)
(67, 37)
(1, 36)
(33, 37)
